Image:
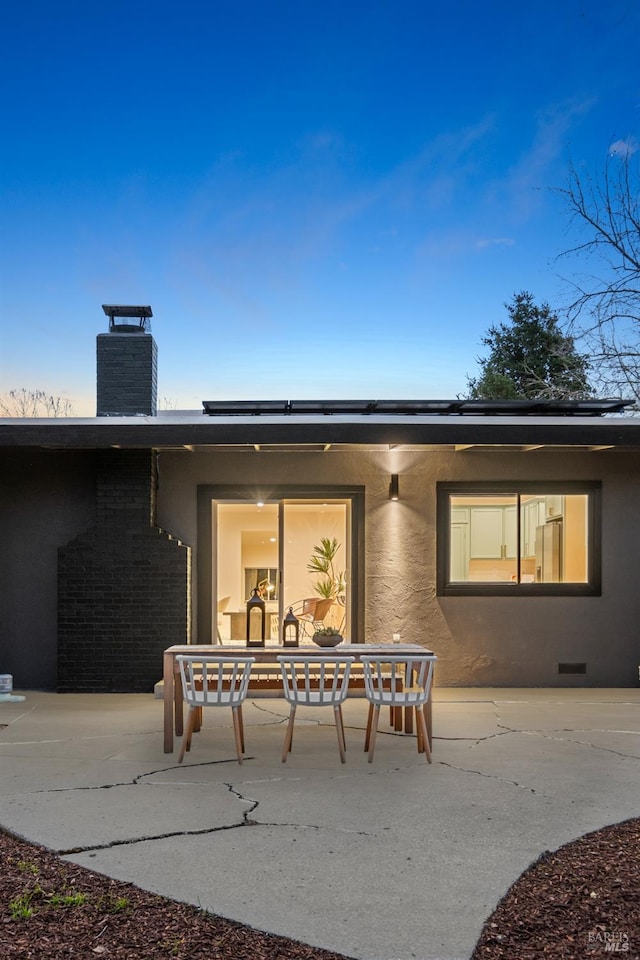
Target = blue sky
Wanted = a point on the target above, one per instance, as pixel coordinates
(318, 199)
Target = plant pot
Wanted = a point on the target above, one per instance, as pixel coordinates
(327, 640)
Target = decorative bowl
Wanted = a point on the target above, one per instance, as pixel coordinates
(327, 640)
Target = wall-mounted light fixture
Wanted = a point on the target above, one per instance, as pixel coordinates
(394, 490)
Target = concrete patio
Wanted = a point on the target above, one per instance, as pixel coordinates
(385, 861)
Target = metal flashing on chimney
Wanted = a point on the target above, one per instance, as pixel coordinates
(119, 312)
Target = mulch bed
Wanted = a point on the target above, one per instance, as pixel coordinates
(78, 913)
(581, 901)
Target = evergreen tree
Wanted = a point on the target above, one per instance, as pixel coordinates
(530, 358)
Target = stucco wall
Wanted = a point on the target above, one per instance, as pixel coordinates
(479, 640)
(47, 499)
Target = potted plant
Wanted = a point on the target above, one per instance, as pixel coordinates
(332, 582)
(327, 637)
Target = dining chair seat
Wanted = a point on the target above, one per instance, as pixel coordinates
(315, 681)
(214, 681)
(397, 681)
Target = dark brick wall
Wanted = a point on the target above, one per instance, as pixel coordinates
(127, 381)
(124, 587)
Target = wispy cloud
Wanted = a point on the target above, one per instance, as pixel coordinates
(624, 148)
(238, 225)
(531, 173)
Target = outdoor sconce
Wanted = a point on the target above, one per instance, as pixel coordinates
(394, 490)
(256, 607)
(290, 630)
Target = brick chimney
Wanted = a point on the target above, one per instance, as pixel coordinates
(127, 362)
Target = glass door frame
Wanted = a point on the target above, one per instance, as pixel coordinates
(206, 574)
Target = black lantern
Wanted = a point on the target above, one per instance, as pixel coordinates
(290, 630)
(255, 606)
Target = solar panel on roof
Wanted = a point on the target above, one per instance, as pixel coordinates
(513, 408)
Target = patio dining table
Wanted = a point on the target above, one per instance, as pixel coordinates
(267, 657)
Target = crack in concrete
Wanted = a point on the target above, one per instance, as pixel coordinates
(136, 781)
(158, 836)
(493, 776)
(132, 841)
(247, 821)
(547, 735)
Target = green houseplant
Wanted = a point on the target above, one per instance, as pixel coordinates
(331, 583)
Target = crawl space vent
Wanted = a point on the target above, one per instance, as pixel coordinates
(572, 668)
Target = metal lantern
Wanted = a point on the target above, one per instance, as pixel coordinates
(290, 630)
(256, 605)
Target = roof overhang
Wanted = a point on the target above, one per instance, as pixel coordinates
(307, 431)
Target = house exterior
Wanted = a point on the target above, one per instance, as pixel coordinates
(502, 536)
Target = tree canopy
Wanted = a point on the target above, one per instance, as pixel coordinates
(530, 358)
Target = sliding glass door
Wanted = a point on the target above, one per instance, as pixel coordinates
(296, 552)
(316, 574)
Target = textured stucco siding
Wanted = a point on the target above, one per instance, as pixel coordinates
(49, 499)
(507, 641)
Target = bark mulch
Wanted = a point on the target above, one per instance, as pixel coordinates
(580, 901)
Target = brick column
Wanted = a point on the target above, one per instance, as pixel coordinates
(124, 587)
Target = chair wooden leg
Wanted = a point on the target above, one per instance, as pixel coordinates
(241, 724)
(238, 733)
(367, 733)
(342, 744)
(374, 731)
(186, 737)
(340, 723)
(288, 739)
(423, 734)
(428, 716)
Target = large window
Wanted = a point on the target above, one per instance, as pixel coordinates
(527, 538)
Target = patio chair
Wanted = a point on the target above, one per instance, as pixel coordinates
(311, 613)
(397, 681)
(315, 681)
(213, 681)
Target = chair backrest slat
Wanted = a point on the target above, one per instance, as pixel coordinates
(315, 679)
(210, 680)
(398, 678)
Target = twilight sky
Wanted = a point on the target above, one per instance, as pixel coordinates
(318, 199)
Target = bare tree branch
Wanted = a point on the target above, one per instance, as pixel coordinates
(34, 403)
(604, 309)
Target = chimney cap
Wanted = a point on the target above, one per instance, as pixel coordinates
(113, 310)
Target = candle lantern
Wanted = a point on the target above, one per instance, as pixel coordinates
(290, 630)
(256, 620)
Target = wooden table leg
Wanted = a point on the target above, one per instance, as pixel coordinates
(408, 711)
(178, 701)
(167, 696)
(408, 719)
